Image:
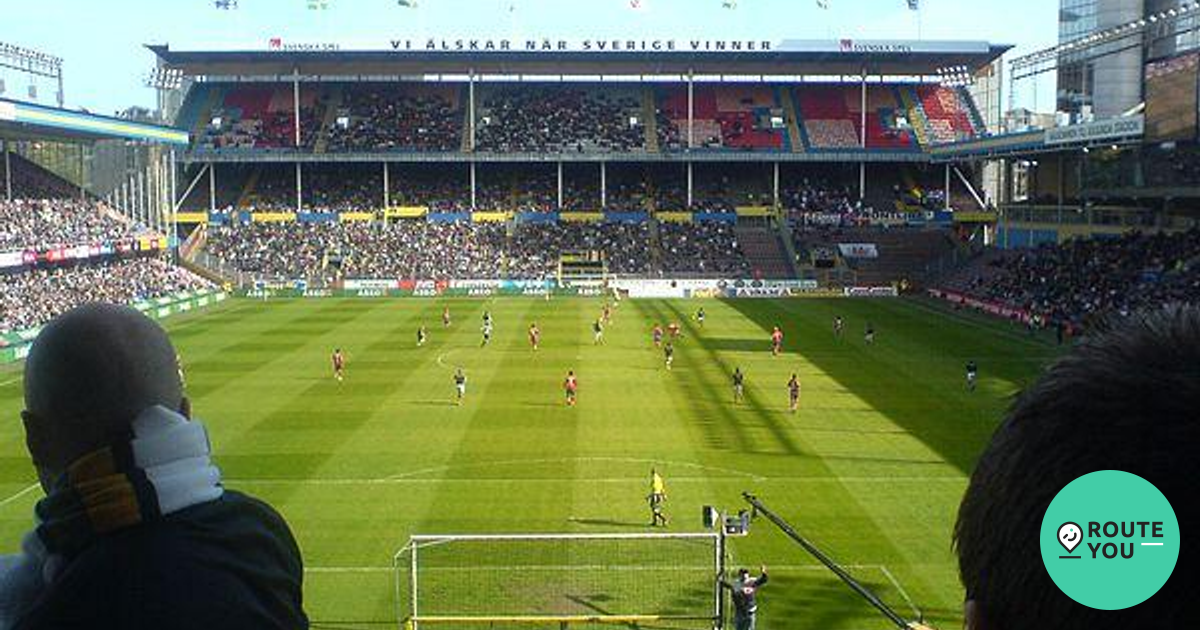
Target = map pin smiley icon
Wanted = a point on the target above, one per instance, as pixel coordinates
(1069, 536)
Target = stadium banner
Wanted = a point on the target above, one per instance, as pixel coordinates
(1098, 131)
(405, 212)
(664, 287)
(491, 287)
(976, 217)
(473, 288)
(768, 288)
(581, 288)
(858, 250)
(272, 217)
(930, 217)
(755, 211)
(317, 217)
(400, 45)
(626, 217)
(581, 217)
(144, 244)
(192, 217)
(987, 306)
(448, 217)
(527, 287)
(384, 284)
(15, 258)
(715, 217)
(537, 217)
(673, 217)
(871, 292)
(423, 288)
(491, 217)
(348, 217)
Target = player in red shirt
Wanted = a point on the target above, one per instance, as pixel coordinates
(535, 335)
(657, 333)
(572, 387)
(776, 342)
(339, 364)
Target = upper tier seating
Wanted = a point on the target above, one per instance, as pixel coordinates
(262, 117)
(832, 117)
(948, 112)
(742, 117)
(417, 117)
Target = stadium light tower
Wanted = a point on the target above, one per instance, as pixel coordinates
(164, 80)
(33, 64)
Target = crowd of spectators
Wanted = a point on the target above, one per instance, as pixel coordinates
(427, 250)
(1081, 280)
(402, 249)
(31, 297)
(535, 249)
(48, 223)
(387, 120)
(558, 119)
(702, 248)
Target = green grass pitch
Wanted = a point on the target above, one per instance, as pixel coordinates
(871, 468)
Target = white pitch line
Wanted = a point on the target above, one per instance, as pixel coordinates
(387, 481)
(904, 594)
(566, 460)
(10, 382)
(20, 494)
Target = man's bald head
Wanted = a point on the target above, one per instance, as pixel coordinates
(90, 372)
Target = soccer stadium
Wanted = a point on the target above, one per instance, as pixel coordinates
(597, 319)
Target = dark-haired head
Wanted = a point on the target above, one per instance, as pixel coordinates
(1126, 398)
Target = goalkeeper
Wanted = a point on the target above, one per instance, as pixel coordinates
(658, 496)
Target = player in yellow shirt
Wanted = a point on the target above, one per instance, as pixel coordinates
(658, 496)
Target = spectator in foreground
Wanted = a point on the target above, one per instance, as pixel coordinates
(135, 530)
(1124, 400)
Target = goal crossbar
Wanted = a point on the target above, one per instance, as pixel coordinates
(568, 619)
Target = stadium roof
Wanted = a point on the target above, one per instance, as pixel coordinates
(30, 121)
(278, 56)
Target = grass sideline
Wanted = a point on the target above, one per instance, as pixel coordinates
(871, 468)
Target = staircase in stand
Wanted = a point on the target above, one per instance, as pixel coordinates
(792, 117)
(333, 105)
(904, 254)
(650, 119)
(765, 251)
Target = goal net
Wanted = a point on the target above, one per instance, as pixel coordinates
(563, 581)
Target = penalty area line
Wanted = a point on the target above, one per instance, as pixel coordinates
(20, 494)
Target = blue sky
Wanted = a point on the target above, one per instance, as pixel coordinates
(104, 61)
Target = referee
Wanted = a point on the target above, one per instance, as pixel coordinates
(658, 495)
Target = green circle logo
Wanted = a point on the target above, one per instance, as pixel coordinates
(1110, 540)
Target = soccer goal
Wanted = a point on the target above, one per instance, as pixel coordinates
(563, 581)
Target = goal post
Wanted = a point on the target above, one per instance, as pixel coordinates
(560, 581)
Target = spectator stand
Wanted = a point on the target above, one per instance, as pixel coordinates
(674, 102)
